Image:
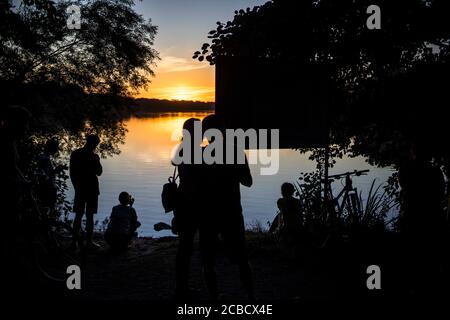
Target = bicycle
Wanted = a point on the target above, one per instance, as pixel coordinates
(48, 241)
(327, 215)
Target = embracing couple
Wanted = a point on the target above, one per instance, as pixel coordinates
(209, 201)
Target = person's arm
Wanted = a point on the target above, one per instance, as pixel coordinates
(73, 170)
(98, 166)
(134, 220)
(177, 156)
(111, 217)
(245, 176)
(280, 203)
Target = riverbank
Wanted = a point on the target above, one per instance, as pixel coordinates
(146, 272)
(324, 281)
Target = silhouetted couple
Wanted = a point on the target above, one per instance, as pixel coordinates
(209, 201)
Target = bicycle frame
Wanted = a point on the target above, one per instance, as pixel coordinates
(348, 193)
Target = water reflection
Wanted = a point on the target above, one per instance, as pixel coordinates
(143, 167)
(151, 139)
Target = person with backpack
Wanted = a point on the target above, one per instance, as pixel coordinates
(187, 208)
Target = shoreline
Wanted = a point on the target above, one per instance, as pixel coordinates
(146, 272)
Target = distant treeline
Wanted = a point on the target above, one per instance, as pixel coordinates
(144, 106)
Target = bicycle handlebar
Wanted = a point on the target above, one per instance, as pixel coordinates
(350, 173)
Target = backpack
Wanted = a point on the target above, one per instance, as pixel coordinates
(169, 193)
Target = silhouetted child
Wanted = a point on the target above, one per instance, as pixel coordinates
(122, 224)
(290, 218)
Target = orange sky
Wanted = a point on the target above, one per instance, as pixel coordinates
(183, 27)
(181, 79)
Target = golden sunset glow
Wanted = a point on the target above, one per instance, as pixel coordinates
(181, 79)
(154, 140)
(182, 93)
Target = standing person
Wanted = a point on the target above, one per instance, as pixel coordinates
(222, 213)
(187, 209)
(85, 168)
(422, 218)
(423, 194)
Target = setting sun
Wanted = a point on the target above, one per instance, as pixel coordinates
(182, 93)
(180, 79)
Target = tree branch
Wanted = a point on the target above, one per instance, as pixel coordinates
(54, 53)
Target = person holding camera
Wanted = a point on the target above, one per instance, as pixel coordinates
(123, 223)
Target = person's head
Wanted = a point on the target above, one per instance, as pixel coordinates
(287, 190)
(15, 120)
(189, 125)
(51, 146)
(92, 141)
(212, 122)
(189, 129)
(124, 198)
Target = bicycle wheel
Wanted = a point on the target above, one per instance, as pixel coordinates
(50, 264)
(51, 251)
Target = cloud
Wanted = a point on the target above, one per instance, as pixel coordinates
(177, 64)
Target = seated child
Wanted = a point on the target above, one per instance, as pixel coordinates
(290, 218)
(122, 223)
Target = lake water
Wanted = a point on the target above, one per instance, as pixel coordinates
(144, 166)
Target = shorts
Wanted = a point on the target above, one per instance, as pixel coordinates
(85, 204)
